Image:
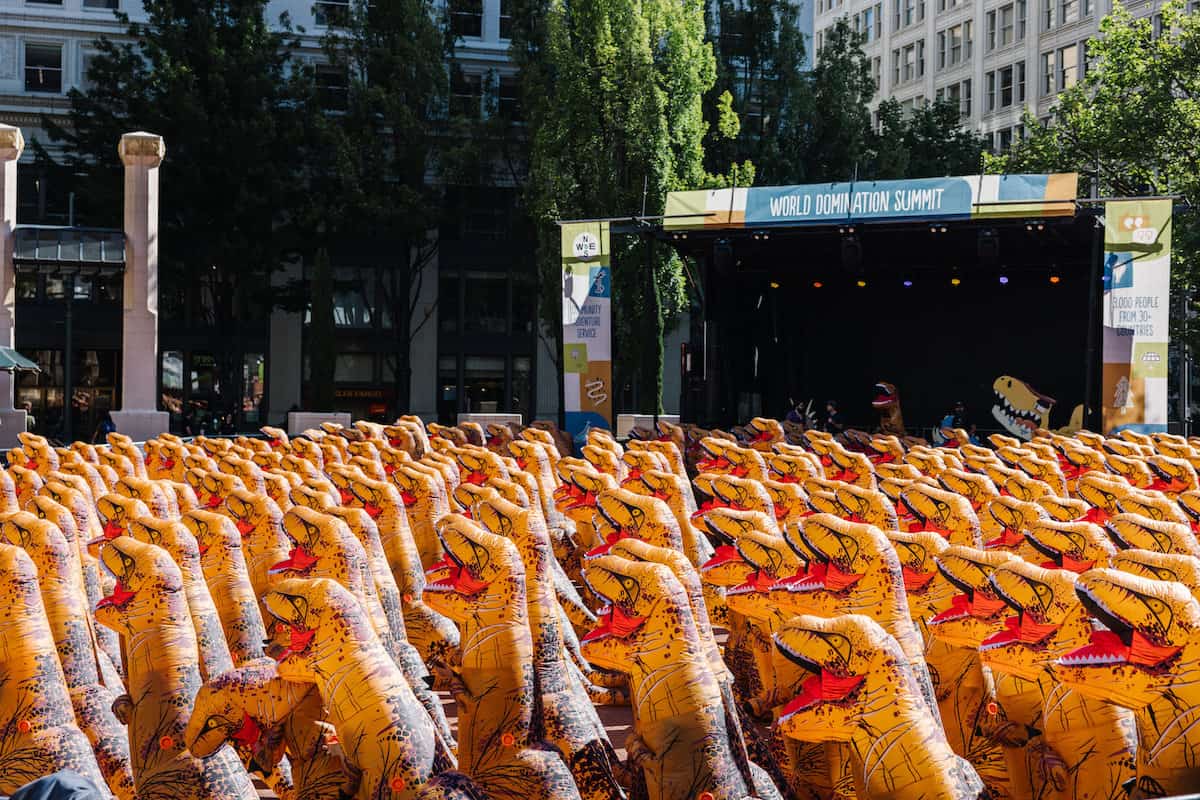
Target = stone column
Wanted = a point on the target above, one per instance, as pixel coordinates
(139, 417)
(11, 144)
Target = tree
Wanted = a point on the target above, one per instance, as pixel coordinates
(1131, 125)
(613, 92)
(381, 108)
(211, 77)
(925, 142)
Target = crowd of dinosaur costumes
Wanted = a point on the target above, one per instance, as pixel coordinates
(788, 614)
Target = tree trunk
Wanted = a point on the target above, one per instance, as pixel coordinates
(652, 345)
(321, 334)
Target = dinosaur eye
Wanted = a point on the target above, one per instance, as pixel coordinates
(211, 723)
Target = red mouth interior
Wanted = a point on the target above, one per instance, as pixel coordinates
(834, 578)
(298, 641)
(609, 541)
(724, 554)
(345, 496)
(409, 499)
(714, 464)
(915, 581)
(1095, 515)
(1009, 538)
(824, 687)
(844, 475)
(373, 511)
(709, 505)
(458, 578)
(113, 529)
(119, 598)
(1108, 646)
(1172, 485)
(612, 621)
(1069, 563)
(477, 478)
(248, 733)
(1021, 629)
(244, 526)
(298, 560)
(758, 581)
(977, 605)
(213, 501)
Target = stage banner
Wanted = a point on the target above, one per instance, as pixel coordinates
(1137, 286)
(963, 197)
(587, 327)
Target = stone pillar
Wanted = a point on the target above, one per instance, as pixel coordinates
(139, 417)
(285, 364)
(11, 144)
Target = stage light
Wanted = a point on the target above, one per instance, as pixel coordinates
(955, 281)
(817, 284)
(1055, 279)
(907, 284)
(1003, 280)
(1035, 225)
(774, 285)
(937, 228)
(860, 284)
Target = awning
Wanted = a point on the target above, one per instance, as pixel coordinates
(12, 361)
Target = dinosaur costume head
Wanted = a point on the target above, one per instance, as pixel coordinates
(1154, 505)
(1048, 621)
(943, 512)
(763, 433)
(977, 612)
(478, 565)
(252, 511)
(144, 574)
(927, 590)
(976, 487)
(1132, 469)
(622, 514)
(791, 468)
(604, 460)
(1133, 531)
(852, 665)
(1020, 408)
(742, 494)
(1150, 643)
(115, 512)
(770, 560)
(1075, 546)
(1012, 517)
(321, 618)
(638, 462)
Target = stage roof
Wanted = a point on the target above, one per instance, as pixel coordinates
(863, 202)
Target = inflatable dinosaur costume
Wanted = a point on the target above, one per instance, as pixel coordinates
(569, 719)
(1090, 745)
(67, 614)
(500, 742)
(149, 609)
(1147, 659)
(861, 691)
(887, 404)
(681, 740)
(385, 732)
(39, 734)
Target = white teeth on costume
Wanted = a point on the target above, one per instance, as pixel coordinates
(1090, 660)
(1011, 418)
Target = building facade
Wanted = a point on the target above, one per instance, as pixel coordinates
(476, 345)
(995, 58)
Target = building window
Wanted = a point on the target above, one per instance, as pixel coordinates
(506, 19)
(1048, 15)
(466, 17)
(111, 5)
(877, 71)
(333, 87)
(332, 13)
(466, 94)
(1088, 7)
(910, 12)
(909, 67)
(1022, 6)
(1004, 139)
(354, 368)
(1068, 66)
(43, 68)
(86, 57)
(964, 99)
(990, 103)
(485, 303)
(1068, 11)
(895, 67)
(868, 24)
(920, 57)
(1157, 26)
(949, 5)
(991, 33)
(46, 2)
(1048, 73)
(483, 383)
(1006, 87)
(508, 100)
(1020, 67)
(895, 15)
(954, 45)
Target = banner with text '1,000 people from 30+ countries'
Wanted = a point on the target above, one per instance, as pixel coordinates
(587, 326)
(1137, 313)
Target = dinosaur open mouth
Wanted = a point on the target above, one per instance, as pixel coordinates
(609, 541)
(883, 396)
(715, 463)
(119, 598)
(916, 581)
(969, 604)
(112, 529)
(1018, 421)
(346, 496)
(824, 688)
(758, 581)
(298, 560)
(615, 622)
(1023, 630)
(244, 526)
(248, 733)
(458, 578)
(299, 640)
(1009, 537)
(822, 576)
(1121, 643)
(723, 554)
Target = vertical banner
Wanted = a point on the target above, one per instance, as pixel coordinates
(1137, 285)
(587, 327)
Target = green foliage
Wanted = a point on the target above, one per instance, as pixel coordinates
(1132, 125)
(613, 92)
(925, 142)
